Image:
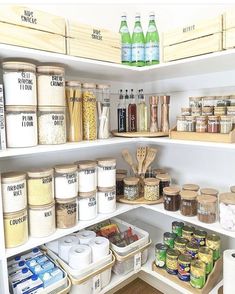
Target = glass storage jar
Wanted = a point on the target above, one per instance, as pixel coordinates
(196, 111)
(219, 110)
(191, 187)
(185, 111)
(227, 211)
(165, 181)
(131, 188)
(106, 172)
(231, 112)
(120, 184)
(190, 123)
(66, 213)
(50, 85)
(207, 209)
(21, 126)
(19, 79)
(74, 108)
(188, 205)
(106, 198)
(208, 101)
(52, 125)
(89, 111)
(181, 124)
(209, 191)
(66, 181)
(151, 189)
(213, 124)
(223, 101)
(87, 206)
(201, 124)
(207, 110)
(87, 175)
(103, 108)
(226, 124)
(195, 101)
(171, 198)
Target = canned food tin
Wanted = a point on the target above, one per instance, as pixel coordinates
(197, 274)
(187, 232)
(213, 242)
(172, 261)
(180, 244)
(160, 255)
(199, 237)
(168, 239)
(206, 255)
(177, 228)
(192, 249)
(184, 262)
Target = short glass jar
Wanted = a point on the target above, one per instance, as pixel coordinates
(106, 172)
(185, 111)
(52, 125)
(223, 101)
(219, 110)
(195, 101)
(196, 111)
(165, 181)
(190, 123)
(227, 211)
(87, 175)
(201, 124)
(226, 124)
(190, 187)
(66, 213)
(171, 196)
(207, 110)
(209, 191)
(21, 126)
(213, 124)
(181, 124)
(120, 184)
(231, 112)
(131, 188)
(151, 189)
(188, 204)
(207, 209)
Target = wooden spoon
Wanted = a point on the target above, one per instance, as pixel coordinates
(128, 158)
(140, 155)
(151, 154)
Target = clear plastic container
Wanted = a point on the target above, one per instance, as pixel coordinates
(226, 124)
(87, 175)
(52, 125)
(87, 206)
(106, 200)
(165, 181)
(207, 209)
(103, 108)
(227, 211)
(131, 188)
(188, 203)
(66, 213)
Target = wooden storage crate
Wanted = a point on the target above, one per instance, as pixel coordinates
(195, 39)
(229, 29)
(28, 27)
(92, 42)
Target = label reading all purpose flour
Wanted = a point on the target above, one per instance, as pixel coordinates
(92, 202)
(58, 119)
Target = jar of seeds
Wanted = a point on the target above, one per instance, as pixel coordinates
(131, 188)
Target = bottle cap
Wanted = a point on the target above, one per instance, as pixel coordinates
(152, 13)
(137, 14)
(124, 14)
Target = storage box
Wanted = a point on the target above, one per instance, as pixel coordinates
(27, 27)
(229, 29)
(93, 42)
(195, 39)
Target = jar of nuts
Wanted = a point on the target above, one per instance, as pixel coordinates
(151, 189)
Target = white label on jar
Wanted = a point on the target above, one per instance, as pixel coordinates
(106, 176)
(137, 261)
(66, 186)
(92, 201)
(110, 195)
(87, 180)
(106, 202)
(87, 208)
(14, 196)
(57, 81)
(96, 284)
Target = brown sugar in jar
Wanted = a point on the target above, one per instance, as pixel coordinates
(171, 198)
(207, 209)
(188, 205)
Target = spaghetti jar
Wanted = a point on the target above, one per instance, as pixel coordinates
(74, 108)
(184, 262)
(227, 210)
(201, 124)
(89, 111)
(103, 108)
(226, 124)
(190, 187)
(87, 175)
(181, 124)
(171, 198)
(106, 172)
(207, 209)
(198, 274)
(66, 213)
(131, 188)
(213, 124)
(188, 205)
(213, 242)
(206, 255)
(165, 181)
(151, 189)
(172, 261)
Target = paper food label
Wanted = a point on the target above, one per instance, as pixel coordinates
(96, 284)
(137, 261)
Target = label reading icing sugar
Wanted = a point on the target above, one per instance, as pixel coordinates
(151, 51)
(137, 261)
(110, 195)
(57, 81)
(126, 52)
(138, 52)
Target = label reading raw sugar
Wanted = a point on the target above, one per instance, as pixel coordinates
(151, 51)
(25, 81)
(138, 52)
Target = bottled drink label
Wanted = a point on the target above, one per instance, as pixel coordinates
(138, 52)
(126, 52)
(152, 28)
(138, 29)
(121, 120)
(124, 29)
(151, 51)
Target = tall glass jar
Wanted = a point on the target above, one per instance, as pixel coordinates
(201, 124)
(207, 209)
(89, 111)
(74, 108)
(225, 124)
(103, 108)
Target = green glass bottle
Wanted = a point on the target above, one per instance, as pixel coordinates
(152, 42)
(138, 43)
(126, 41)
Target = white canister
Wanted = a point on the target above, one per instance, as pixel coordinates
(106, 172)
(87, 206)
(14, 191)
(65, 181)
(51, 85)
(106, 198)
(21, 126)
(19, 79)
(42, 220)
(87, 176)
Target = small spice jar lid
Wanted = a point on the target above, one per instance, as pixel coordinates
(40, 172)
(84, 164)
(89, 85)
(120, 177)
(190, 187)
(189, 195)
(151, 181)
(163, 177)
(73, 83)
(10, 177)
(205, 199)
(87, 194)
(131, 181)
(65, 168)
(106, 161)
(106, 189)
(158, 171)
(213, 117)
(102, 86)
(227, 198)
(121, 171)
(50, 69)
(172, 190)
(21, 108)
(18, 65)
(209, 191)
(232, 189)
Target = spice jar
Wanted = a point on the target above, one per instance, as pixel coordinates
(66, 213)
(196, 111)
(106, 198)
(195, 101)
(213, 242)
(192, 249)
(231, 112)
(184, 262)
(87, 206)
(74, 107)
(65, 181)
(207, 207)
(15, 228)
(120, 184)
(131, 188)
(19, 79)
(190, 123)
(89, 111)
(188, 205)
(103, 108)
(171, 198)
(172, 261)
(226, 124)
(181, 124)
(201, 124)
(40, 186)
(187, 232)
(165, 181)
(227, 211)
(52, 125)
(14, 192)
(106, 172)
(190, 187)
(151, 189)
(50, 81)
(21, 126)
(208, 101)
(87, 175)
(42, 220)
(180, 244)
(223, 101)
(206, 255)
(219, 110)
(209, 191)
(213, 124)
(197, 274)
(207, 110)
(186, 111)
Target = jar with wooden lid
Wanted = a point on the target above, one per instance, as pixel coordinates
(231, 112)
(185, 111)
(14, 191)
(227, 211)
(190, 123)
(74, 107)
(51, 85)
(40, 186)
(19, 79)
(223, 101)
(209, 191)
(195, 101)
(232, 189)
(226, 124)
(87, 175)
(196, 111)
(120, 184)
(66, 181)
(188, 204)
(66, 213)
(207, 209)
(131, 188)
(171, 198)
(181, 124)
(201, 124)
(213, 124)
(219, 110)
(21, 126)
(89, 111)
(106, 172)
(190, 187)
(159, 171)
(106, 198)
(87, 205)
(151, 189)
(208, 101)
(207, 110)
(165, 181)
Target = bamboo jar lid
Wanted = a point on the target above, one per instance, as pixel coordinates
(188, 195)
(151, 181)
(131, 181)
(10, 177)
(191, 187)
(206, 199)
(209, 191)
(227, 198)
(172, 190)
